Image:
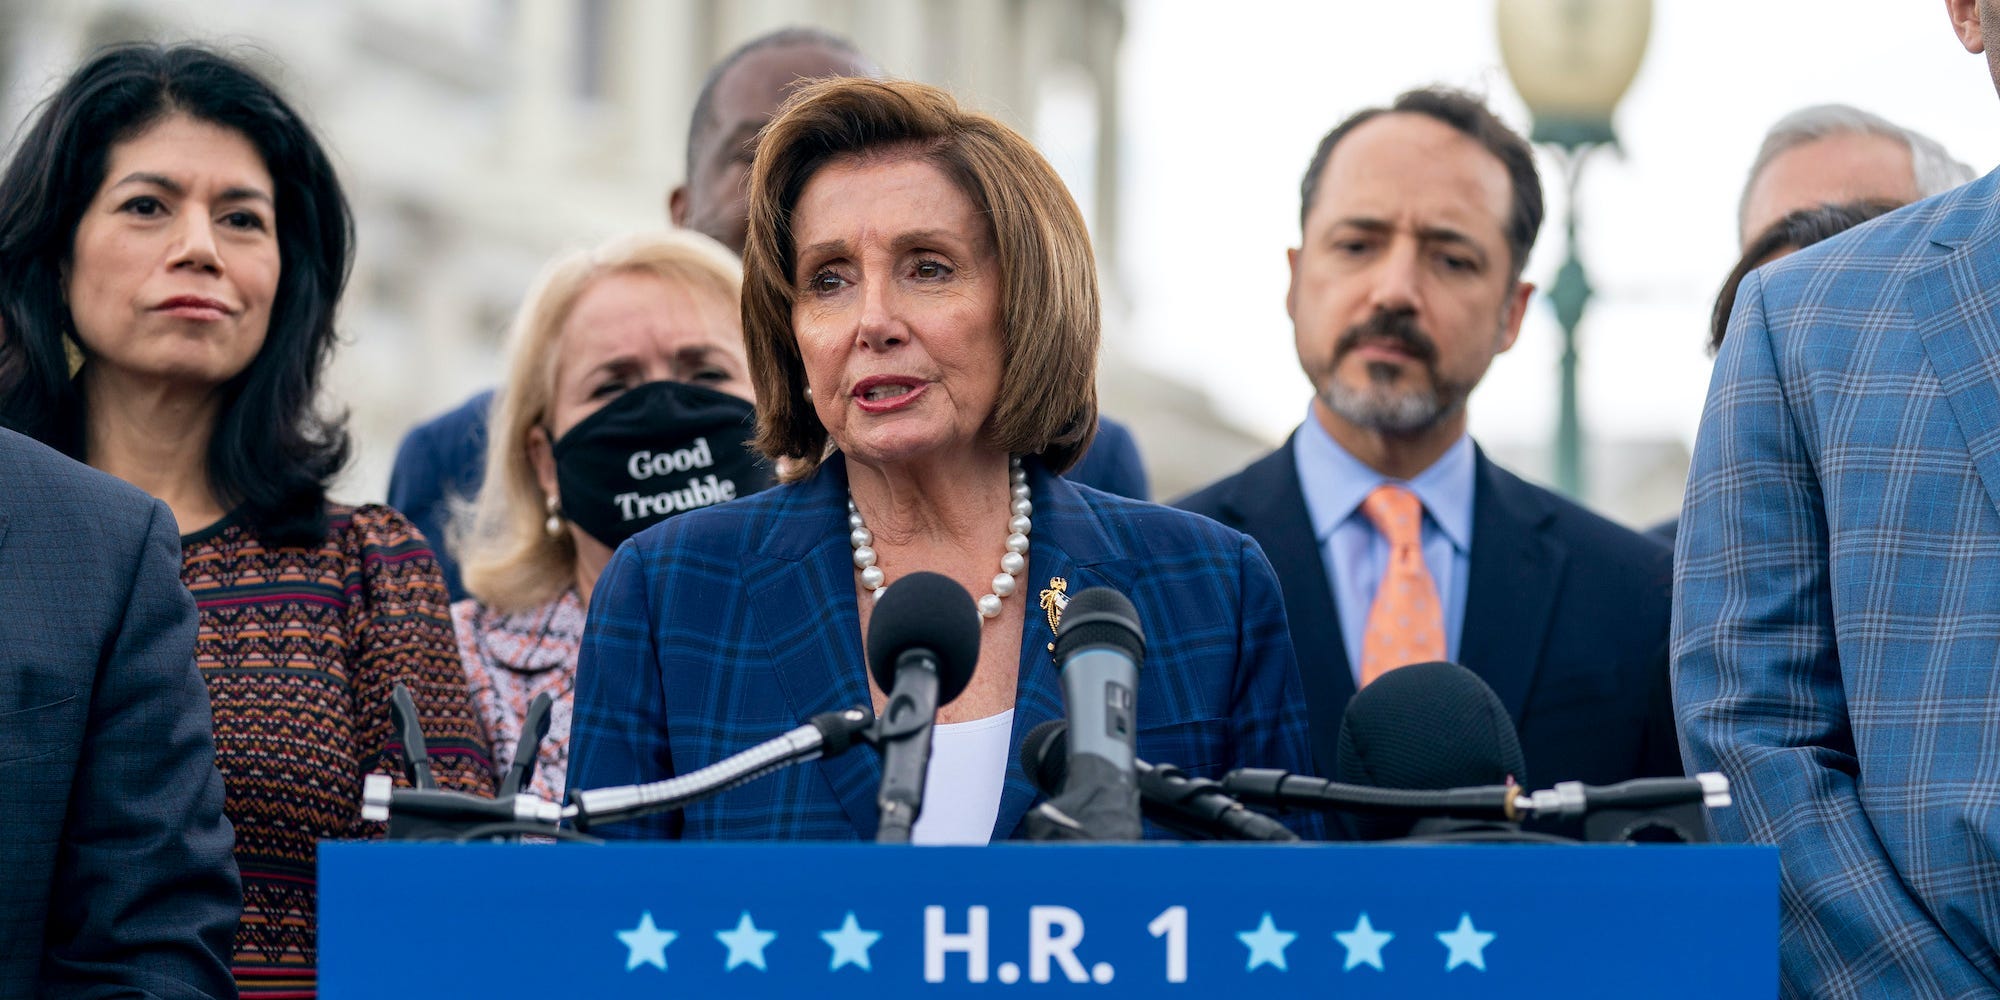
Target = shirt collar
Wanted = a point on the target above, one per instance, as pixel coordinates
(1335, 482)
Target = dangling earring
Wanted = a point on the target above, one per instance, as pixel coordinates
(554, 525)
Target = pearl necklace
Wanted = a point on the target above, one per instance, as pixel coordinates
(1012, 563)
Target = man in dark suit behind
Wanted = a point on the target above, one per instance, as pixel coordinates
(115, 871)
(1395, 538)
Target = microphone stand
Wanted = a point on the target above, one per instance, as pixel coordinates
(903, 735)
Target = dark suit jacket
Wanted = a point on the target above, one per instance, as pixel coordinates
(115, 872)
(726, 626)
(440, 459)
(1565, 617)
(445, 457)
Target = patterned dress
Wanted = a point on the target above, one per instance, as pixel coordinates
(301, 648)
(511, 658)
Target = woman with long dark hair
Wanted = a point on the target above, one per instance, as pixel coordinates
(173, 243)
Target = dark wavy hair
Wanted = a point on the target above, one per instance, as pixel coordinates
(1796, 231)
(272, 452)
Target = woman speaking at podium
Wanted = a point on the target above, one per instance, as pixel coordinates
(921, 314)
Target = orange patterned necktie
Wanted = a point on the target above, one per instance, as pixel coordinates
(1406, 623)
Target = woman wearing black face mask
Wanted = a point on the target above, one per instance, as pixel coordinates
(627, 401)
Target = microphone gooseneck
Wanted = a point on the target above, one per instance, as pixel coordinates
(827, 734)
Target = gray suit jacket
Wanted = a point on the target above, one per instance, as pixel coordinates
(116, 879)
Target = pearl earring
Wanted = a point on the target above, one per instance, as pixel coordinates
(809, 394)
(554, 525)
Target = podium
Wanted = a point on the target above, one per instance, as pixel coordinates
(1103, 921)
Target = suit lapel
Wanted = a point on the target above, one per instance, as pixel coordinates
(1268, 504)
(1517, 567)
(1958, 318)
(807, 576)
(824, 670)
(1067, 539)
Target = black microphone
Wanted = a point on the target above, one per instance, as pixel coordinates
(1191, 807)
(828, 734)
(1099, 647)
(1426, 727)
(923, 645)
(416, 755)
(534, 729)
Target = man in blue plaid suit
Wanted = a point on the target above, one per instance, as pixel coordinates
(1837, 612)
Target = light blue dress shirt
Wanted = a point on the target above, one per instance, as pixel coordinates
(1355, 554)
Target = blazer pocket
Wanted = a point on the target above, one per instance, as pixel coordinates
(37, 731)
(1199, 747)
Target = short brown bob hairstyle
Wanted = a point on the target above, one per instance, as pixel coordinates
(1049, 310)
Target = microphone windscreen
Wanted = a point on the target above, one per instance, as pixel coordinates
(1428, 726)
(925, 611)
(1100, 616)
(1045, 755)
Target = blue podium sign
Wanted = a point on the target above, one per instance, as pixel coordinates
(857, 920)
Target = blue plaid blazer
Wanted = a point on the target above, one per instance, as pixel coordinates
(727, 626)
(1837, 610)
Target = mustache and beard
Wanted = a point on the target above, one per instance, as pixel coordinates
(1392, 402)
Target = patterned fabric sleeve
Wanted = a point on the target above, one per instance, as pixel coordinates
(400, 623)
(1269, 713)
(1760, 695)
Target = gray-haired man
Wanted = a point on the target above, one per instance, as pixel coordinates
(1832, 153)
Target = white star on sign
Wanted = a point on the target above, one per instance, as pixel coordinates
(850, 944)
(1468, 946)
(1363, 943)
(1267, 944)
(746, 943)
(646, 944)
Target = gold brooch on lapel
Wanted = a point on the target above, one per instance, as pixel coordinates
(1054, 600)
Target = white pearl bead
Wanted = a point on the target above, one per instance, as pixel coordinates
(864, 557)
(871, 578)
(1018, 476)
(1020, 491)
(1003, 585)
(860, 536)
(850, 506)
(1019, 524)
(877, 593)
(1013, 563)
(1023, 508)
(1017, 542)
(854, 520)
(989, 606)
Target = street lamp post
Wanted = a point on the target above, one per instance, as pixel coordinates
(1571, 61)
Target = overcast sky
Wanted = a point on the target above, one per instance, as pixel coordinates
(1221, 114)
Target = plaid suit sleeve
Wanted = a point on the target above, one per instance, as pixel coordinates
(618, 732)
(1759, 690)
(1269, 710)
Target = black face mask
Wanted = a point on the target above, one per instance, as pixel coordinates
(658, 450)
